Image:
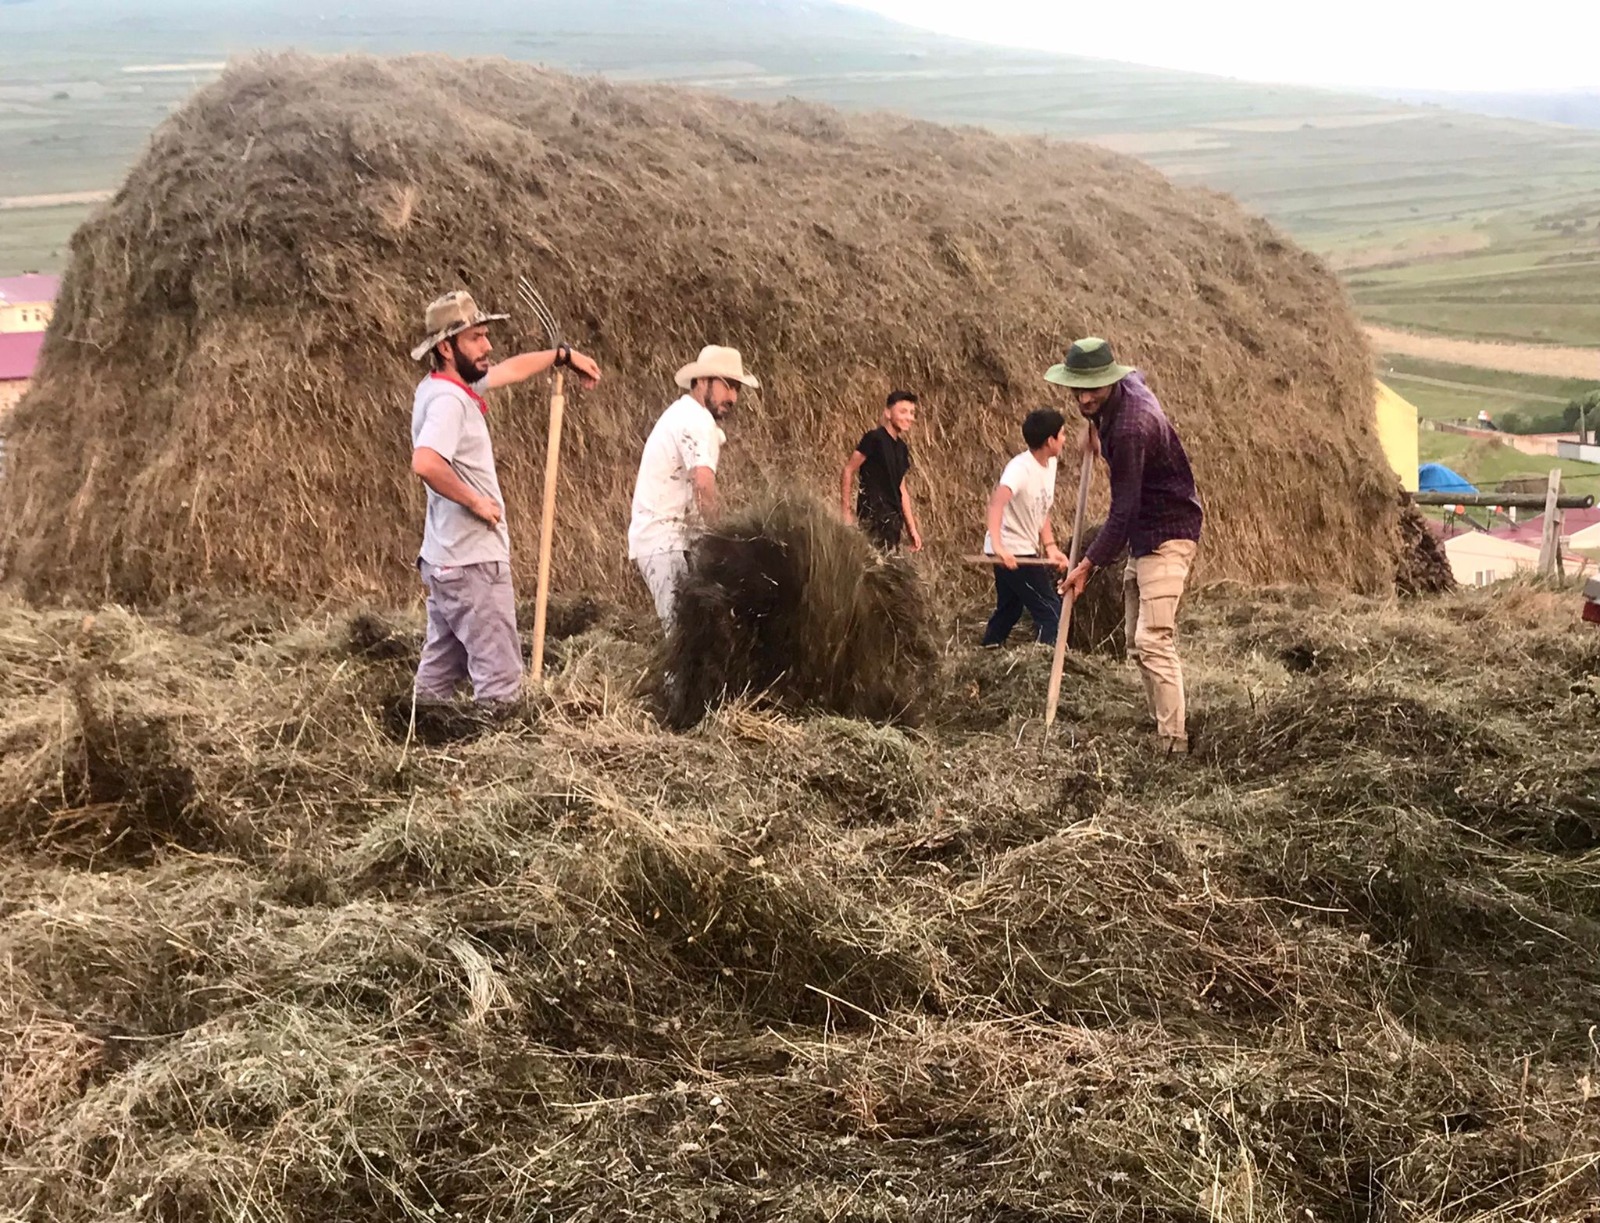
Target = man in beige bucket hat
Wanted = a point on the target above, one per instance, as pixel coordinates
(465, 559)
(675, 495)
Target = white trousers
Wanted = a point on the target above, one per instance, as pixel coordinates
(663, 573)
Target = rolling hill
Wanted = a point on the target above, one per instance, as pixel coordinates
(1443, 221)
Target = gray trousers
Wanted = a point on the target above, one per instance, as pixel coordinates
(472, 633)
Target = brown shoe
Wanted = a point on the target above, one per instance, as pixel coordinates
(1172, 745)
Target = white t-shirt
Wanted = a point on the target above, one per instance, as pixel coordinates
(666, 517)
(448, 418)
(1033, 492)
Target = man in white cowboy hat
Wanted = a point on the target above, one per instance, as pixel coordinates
(465, 557)
(675, 495)
(1155, 514)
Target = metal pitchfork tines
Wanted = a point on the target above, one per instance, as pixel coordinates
(547, 320)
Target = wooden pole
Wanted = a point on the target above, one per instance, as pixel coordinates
(984, 559)
(1550, 543)
(1058, 662)
(1519, 501)
(547, 522)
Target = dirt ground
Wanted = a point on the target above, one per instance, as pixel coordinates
(1550, 361)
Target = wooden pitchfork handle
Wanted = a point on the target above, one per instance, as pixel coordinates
(977, 558)
(1058, 662)
(547, 522)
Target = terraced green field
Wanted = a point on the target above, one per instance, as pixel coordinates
(1443, 222)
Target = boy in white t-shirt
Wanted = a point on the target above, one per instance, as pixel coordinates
(1019, 526)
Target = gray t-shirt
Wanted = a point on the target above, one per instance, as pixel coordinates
(450, 419)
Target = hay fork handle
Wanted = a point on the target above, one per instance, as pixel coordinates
(1058, 662)
(552, 464)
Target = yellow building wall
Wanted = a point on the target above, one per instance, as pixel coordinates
(1397, 433)
(25, 316)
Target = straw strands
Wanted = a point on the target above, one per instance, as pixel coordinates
(271, 962)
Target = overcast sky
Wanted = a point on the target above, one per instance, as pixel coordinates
(1415, 44)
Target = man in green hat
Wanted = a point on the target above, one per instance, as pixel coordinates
(1155, 514)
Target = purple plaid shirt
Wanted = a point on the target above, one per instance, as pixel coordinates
(1153, 498)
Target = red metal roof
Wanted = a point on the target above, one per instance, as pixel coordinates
(19, 353)
(1531, 530)
(32, 287)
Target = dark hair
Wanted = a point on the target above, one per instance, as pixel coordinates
(435, 361)
(900, 397)
(1041, 425)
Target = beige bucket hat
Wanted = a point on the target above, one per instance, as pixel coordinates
(715, 362)
(450, 315)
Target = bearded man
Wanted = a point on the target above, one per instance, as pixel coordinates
(465, 559)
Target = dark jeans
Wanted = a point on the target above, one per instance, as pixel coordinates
(884, 532)
(1030, 588)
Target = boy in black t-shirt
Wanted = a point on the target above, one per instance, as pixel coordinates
(883, 506)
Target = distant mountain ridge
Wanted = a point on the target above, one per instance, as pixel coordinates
(1573, 108)
(1500, 216)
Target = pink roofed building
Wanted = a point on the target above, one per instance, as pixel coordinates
(26, 305)
(19, 353)
(27, 302)
(1532, 530)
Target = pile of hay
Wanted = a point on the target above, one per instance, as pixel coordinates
(1423, 568)
(267, 963)
(222, 401)
(787, 602)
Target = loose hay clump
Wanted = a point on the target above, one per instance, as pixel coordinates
(1422, 567)
(1338, 964)
(1097, 614)
(788, 602)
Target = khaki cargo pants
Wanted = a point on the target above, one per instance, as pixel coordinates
(1151, 588)
(472, 633)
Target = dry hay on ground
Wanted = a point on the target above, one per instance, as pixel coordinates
(1338, 965)
(222, 399)
(788, 603)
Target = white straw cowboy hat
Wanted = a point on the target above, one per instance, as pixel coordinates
(450, 315)
(715, 362)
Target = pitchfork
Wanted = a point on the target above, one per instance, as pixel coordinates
(552, 461)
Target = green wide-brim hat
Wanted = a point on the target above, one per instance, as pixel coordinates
(1089, 364)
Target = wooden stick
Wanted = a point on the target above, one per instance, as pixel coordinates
(1550, 538)
(1057, 663)
(547, 523)
(981, 558)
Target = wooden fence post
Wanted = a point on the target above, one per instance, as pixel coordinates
(1550, 543)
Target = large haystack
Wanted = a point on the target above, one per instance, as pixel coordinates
(223, 399)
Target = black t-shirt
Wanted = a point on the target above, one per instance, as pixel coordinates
(887, 461)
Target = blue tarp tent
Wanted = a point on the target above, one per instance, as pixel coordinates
(1437, 478)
